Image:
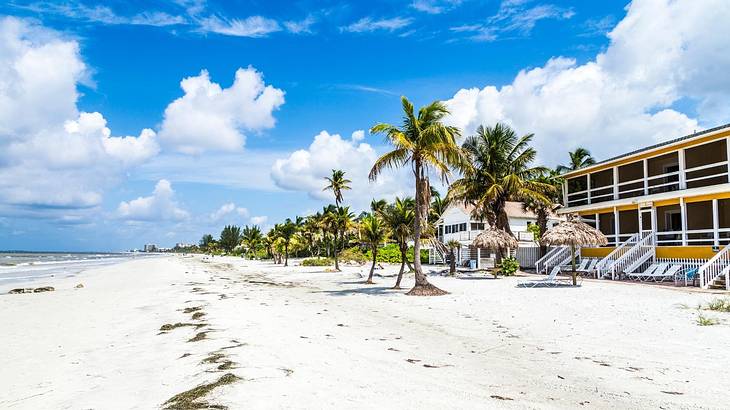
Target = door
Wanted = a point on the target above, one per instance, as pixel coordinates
(647, 221)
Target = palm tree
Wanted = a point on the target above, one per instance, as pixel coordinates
(500, 171)
(579, 158)
(399, 219)
(438, 206)
(230, 237)
(452, 245)
(286, 231)
(377, 206)
(422, 142)
(251, 238)
(309, 230)
(374, 233)
(206, 241)
(339, 220)
(542, 209)
(337, 184)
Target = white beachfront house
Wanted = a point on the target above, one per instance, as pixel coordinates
(457, 223)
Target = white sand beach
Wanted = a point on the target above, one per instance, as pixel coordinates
(303, 338)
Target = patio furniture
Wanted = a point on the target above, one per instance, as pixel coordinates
(648, 272)
(661, 276)
(550, 281)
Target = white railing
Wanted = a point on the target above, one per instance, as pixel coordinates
(604, 265)
(527, 256)
(560, 256)
(540, 263)
(714, 268)
(645, 247)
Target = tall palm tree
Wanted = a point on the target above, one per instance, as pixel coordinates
(337, 184)
(251, 237)
(373, 234)
(500, 171)
(377, 206)
(286, 231)
(399, 217)
(424, 143)
(579, 158)
(339, 221)
(542, 209)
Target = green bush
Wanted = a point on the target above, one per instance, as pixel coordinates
(391, 254)
(353, 254)
(318, 262)
(509, 266)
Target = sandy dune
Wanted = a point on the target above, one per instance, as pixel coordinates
(302, 338)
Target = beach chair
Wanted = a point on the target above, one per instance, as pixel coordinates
(583, 265)
(690, 275)
(549, 281)
(661, 276)
(590, 267)
(646, 275)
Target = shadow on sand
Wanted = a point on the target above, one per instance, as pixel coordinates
(363, 289)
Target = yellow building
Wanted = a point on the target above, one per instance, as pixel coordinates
(665, 203)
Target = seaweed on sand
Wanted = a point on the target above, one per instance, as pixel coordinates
(167, 326)
(198, 315)
(192, 309)
(194, 398)
(198, 337)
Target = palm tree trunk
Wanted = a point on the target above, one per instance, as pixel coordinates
(286, 254)
(403, 259)
(334, 246)
(542, 221)
(372, 268)
(572, 257)
(452, 270)
(422, 286)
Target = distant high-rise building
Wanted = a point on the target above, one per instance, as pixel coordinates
(150, 247)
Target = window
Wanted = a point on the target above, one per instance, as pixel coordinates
(462, 227)
(669, 219)
(602, 186)
(699, 217)
(631, 172)
(606, 223)
(577, 194)
(448, 228)
(477, 226)
(628, 222)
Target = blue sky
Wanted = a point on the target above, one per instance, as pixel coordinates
(331, 66)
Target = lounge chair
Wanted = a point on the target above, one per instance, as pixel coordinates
(583, 265)
(590, 267)
(550, 281)
(661, 276)
(651, 270)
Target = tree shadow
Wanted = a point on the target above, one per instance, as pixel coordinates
(476, 278)
(364, 290)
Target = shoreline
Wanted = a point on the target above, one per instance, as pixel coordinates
(300, 337)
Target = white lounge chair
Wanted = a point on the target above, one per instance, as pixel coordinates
(592, 265)
(645, 275)
(583, 265)
(550, 281)
(658, 276)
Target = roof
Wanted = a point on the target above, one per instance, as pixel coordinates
(513, 209)
(651, 148)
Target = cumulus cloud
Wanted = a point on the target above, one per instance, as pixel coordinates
(161, 205)
(305, 170)
(259, 220)
(229, 209)
(626, 95)
(51, 155)
(209, 117)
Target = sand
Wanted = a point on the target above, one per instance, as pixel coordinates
(300, 337)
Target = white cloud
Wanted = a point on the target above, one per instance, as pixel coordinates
(367, 24)
(624, 98)
(253, 26)
(259, 220)
(229, 209)
(209, 117)
(51, 155)
(104, 14)
(161, 205)
(435, 6)
(302, 26)
(305, 169)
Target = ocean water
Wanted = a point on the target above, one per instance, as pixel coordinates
(32, 266)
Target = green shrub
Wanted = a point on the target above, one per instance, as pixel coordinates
(509, 266)
(318, 262)
(353, 254)
(706, 321)
(391, 254)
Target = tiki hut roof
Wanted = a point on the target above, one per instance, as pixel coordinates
(573, 232)
(493, 238)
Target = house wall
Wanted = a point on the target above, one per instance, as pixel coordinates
(668, 252)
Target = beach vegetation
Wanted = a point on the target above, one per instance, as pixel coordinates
(252, 240)
(230, 237)
(719, 305)
(374, 233)
(453, 245)
(579, 158)
(424, 144)
(509, 266)
(354, 254)
(318, 261)
(337, 183)
(703, 320)
(399, 217)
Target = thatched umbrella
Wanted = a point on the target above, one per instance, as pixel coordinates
(574, 233)
(494, 238)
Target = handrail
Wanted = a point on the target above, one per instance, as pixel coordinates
(545, 258)
(612, 257)
(715, 267)
(558, 258)
(636, 252)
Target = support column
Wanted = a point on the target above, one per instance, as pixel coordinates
(615, 226)
(479, 257)
(615, 183)
(646, 181)
(682, 175)
(683, 210)
(715, 223)
(588, 189)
